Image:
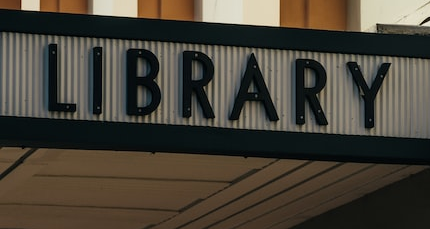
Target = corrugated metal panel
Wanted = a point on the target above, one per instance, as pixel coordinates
(401, 106)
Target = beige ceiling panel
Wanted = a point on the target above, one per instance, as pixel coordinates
(327, 199)
(364, 183)
(293, 196)
(284, 183)
(391, 178)
(4, 166)
(373, 184)
(147, 165)
(331, 184)
(248, 162)
(374, 180)
(18, 179)
(11, 154)
(247, 185)
(123, 193)
(369, 187)
(111, 189)
(54, 217)
(109, 155)
(368, 184)
(44, 156)
(289, 224)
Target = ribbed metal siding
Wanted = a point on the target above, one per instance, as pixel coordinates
(402, 108)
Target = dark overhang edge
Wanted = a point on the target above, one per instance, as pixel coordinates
(78, 134)
(214, 34)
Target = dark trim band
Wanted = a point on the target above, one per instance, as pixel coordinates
(55, 133)
(214, 34)
(38, 132)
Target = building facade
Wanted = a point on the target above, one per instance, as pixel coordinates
(224, 114)
(344, 15)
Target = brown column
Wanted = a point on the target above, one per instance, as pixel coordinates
(327, 14)
(293, 13)
(167, 9)
(65, 6)
(177, 10)
(314, 14)
(148, 8)
(10, 4)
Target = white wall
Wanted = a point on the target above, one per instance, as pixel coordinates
(411, 12)
(251, 12)
(125, 8)
(221, 11)
(33, 5)
(258, 12)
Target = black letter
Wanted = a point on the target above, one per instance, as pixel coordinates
(147, 81)
(53, 104)
(253, 74)
(368, 94)
(309, 93)
(97, 79)
(190, 85)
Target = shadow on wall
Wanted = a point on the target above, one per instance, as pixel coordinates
(404, 204)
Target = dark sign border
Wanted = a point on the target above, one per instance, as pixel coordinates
(75, 134)
(214, 34)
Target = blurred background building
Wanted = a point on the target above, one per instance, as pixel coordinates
(344, 15)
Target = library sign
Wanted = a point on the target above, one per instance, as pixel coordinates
(119, 83)
(252, 75)
(210, 85)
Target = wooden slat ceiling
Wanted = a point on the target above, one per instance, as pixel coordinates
(56, 188)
